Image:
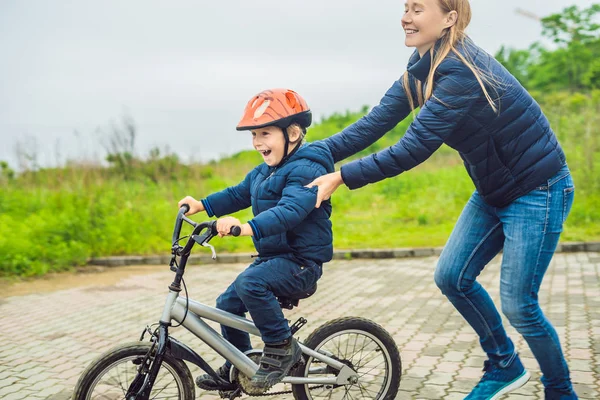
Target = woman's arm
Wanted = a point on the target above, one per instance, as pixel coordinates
(392, 108)
(453, 97)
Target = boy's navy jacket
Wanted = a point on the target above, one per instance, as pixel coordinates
(507, 154)
(286, 222)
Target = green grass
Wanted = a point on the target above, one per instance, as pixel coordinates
(54, 219)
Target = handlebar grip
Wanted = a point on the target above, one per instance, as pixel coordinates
(233, 231)
(185, 208)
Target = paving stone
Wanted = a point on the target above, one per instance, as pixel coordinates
(43, 353)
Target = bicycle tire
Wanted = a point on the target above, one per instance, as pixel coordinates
(118, 355)
(359, 327)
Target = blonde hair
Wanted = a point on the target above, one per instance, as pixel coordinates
(453, 35)
(294, 129)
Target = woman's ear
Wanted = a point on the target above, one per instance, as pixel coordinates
(451, 18)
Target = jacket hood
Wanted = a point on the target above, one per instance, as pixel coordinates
(317, 152)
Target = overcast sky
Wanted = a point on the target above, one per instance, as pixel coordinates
(184, 70)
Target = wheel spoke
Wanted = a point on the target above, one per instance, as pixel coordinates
(367, 351)
(113, 381)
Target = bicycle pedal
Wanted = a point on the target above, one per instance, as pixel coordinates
(298, 364)
(230, 394)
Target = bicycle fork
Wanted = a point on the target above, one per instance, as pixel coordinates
(142, 385)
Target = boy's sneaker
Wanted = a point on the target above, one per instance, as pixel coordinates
(497, 381)
(207, 382)
(276, 362)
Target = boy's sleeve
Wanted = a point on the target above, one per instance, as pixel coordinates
(296, 203)
(230, 200)
(392, 108)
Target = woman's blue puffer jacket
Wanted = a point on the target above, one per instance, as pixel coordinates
(506, 153)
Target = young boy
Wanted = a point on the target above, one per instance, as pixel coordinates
(292, 237)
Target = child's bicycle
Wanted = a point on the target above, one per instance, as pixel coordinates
(346, 358)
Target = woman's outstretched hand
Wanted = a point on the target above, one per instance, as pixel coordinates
(326, 184)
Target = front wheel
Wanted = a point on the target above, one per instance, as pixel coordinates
(109, 375)
(364, 346)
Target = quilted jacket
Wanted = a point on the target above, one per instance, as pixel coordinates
(506, 153)
(286, 222)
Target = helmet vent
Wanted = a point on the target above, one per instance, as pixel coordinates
(261, 110)
(291, 100)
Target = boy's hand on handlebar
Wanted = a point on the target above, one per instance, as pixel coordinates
(195, 205)
(327, 184)
(224, 225)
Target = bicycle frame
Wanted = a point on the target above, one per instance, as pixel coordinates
(175, 310)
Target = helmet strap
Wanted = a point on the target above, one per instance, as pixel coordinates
(285, 150)
(286, 137)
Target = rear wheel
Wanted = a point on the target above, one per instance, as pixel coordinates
(109, 375)
(364, 346)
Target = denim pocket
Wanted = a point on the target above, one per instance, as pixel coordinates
(302, 270)
(568, 197)
(307, 276)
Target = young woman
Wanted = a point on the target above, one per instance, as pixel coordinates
(523, 195)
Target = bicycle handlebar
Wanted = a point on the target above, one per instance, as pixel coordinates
(234, 231)
(178, 222)
(210, 228)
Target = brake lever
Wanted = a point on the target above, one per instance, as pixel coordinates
(212, 248)
(202, 240)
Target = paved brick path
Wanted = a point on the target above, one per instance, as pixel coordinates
(47, 339)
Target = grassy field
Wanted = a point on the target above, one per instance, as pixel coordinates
(54, 219)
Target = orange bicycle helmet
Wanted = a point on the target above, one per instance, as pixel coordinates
(279, 107)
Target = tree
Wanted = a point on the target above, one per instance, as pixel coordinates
(572, 25)
(572, 65)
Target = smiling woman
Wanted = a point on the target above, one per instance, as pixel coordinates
(424, 22)
(469, 102)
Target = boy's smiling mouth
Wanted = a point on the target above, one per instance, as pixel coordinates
(265, 153)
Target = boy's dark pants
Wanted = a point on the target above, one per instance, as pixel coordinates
(254, 290)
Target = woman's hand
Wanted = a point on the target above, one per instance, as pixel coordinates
(224, 225)
(195, 205)
(327, 184)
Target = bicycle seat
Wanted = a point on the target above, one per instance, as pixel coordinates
(292, 301)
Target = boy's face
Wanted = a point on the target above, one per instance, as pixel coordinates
(269, 141)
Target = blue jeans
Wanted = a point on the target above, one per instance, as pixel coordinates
(527, 231)
(254, 290)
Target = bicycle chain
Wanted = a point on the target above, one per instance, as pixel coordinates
(276, 393)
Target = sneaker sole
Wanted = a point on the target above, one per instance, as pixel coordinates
(514, 385)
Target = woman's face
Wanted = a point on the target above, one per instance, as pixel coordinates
(424, 22)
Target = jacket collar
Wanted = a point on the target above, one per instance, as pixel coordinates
(419, 66)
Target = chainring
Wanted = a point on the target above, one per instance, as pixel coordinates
(244, 382)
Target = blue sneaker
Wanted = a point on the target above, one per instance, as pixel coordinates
(497, 381)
